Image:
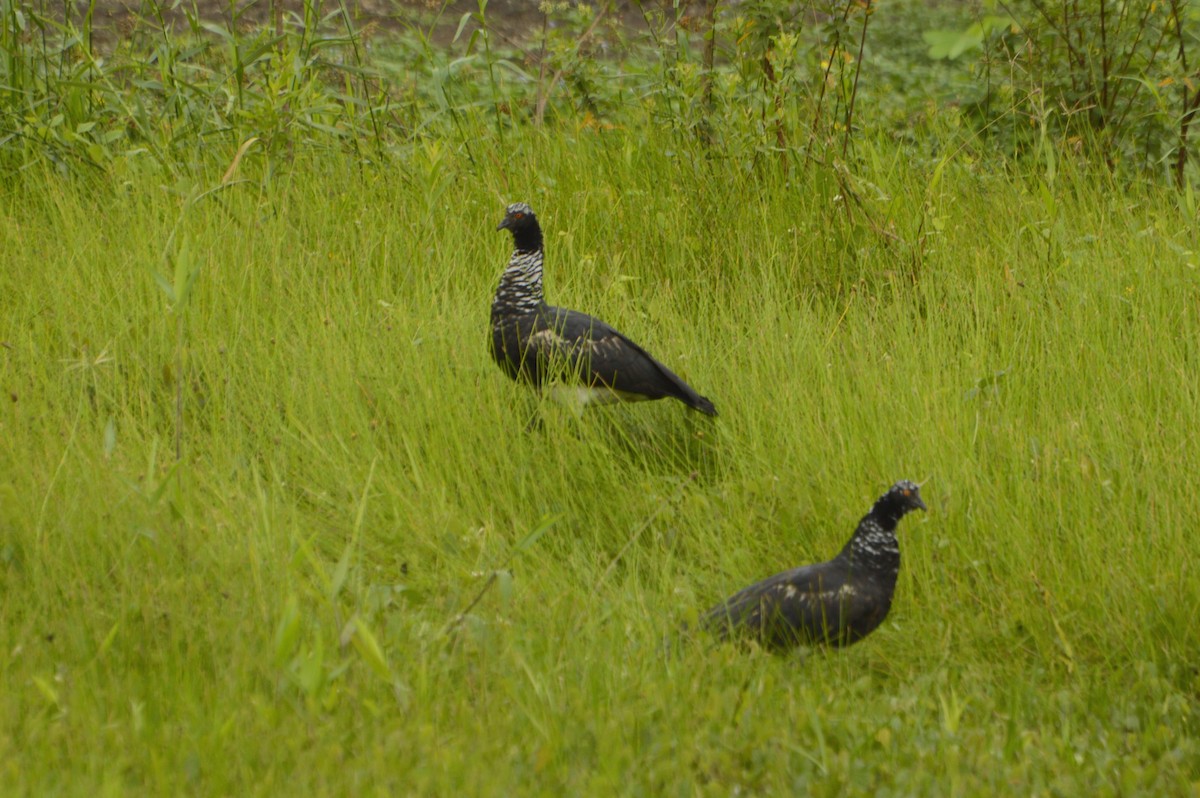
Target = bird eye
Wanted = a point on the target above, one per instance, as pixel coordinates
(906, 492)
(518, 215)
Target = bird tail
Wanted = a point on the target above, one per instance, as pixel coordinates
(701, 403)
(685, 393)
(678, 388)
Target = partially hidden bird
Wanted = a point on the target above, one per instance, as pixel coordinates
(838, 602)
(576, 357)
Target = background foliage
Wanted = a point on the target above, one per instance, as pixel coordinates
(757, 81)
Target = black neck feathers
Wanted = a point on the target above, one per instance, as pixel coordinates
(527, 237)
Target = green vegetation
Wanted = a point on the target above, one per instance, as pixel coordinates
(256, 465)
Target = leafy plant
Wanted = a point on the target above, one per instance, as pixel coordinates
(1116, 76)
(170, 96)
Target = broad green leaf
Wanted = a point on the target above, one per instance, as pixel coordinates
(504, 583)
(462, 23)
(287, 633)
(110, 438)
(542, 528)
(368, 648)
(166, 287)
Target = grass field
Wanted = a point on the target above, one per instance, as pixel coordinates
(275, 611)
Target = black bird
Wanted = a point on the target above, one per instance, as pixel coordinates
(837, 602)
(578, 357)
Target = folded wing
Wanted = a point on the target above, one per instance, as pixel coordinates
(599, 354)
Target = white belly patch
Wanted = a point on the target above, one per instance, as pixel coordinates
(583, 395)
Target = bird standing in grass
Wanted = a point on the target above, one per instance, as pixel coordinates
(577, 357)
(837, 602)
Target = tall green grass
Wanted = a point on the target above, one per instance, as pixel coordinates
(281, 608)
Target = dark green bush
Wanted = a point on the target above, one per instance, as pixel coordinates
(773, 86)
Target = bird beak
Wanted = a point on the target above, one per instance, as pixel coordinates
(503, 224)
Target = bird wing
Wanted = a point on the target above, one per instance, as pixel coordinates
(597, 353)
(803, 603)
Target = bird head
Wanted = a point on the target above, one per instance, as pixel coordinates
(901, 498)
(517, 217)
(520, 221)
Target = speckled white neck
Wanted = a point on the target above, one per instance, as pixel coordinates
(875, 547)
(520, 288)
